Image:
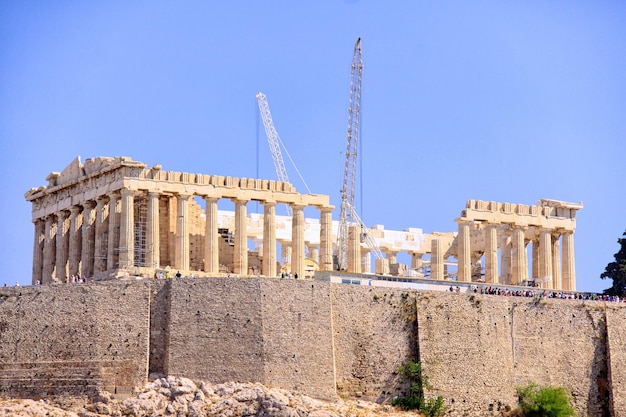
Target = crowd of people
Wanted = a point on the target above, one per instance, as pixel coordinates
(540, 293)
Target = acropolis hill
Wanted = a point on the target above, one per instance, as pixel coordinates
(116, 222)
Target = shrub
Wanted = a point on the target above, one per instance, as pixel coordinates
(535, 401)
(411, 372)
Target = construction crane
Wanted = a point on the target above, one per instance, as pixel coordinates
(348, 213)
(349, 174)
(275, 143)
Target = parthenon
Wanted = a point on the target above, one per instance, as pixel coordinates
(113, 217)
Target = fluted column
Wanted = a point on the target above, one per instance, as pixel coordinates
(556, 263)
(152, 232)
(392, 256)
(505, 259)
(569, 269)
(182, 232)
(417, 261)
(211, 243)
(63, 245)
(269, 239)
(366, 261)
(285, 252)
(436, 260)
(326, 240)
(491, 254)
(297, 240)
(89, 234)
(127, 230)
(76, 239)
(40, 234)
(354, 249)
(518, 257)
(49, 250)
(102, 231)
(464, 273)
(240, 256)
(113, 242)
(545, 257)
(535, 261)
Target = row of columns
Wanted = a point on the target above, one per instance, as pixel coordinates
(98, 236)
(547, 256)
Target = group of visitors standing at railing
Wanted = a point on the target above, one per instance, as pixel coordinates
(544, 294)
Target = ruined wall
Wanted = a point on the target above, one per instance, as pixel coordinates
(63, 339)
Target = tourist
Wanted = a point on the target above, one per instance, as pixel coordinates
(178, 274)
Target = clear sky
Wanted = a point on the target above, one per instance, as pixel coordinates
(490, 100)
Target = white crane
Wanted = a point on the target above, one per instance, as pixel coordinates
(275, 144)
(348, 213)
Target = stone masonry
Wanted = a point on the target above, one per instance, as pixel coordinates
(318, 338)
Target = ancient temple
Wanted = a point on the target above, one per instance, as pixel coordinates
(114, 217)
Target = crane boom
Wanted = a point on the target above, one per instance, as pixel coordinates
(272, 137)
(366, 235)
(349, 176)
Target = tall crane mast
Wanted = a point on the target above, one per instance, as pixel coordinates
(349, 175)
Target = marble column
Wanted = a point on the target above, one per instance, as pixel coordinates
(182, 232)
(211, 243)
(127, 230)
(518, 257)
(354, 248)
(569, 269)
(114, 235)
(366, 261)
(269, 239)
(40, 234)
(464, 273)
(63, 245)
(314, 252)
(326, 240)
(505, 259)
(556, 263)
(392, 256)
(76, 239)
(152, 231)
(491, 254)
(436, 260)
(89, 234)
(545, 257)
(49, 250)
(240, 255)
(417, 261)
(535, 260)
(102, 232)
(297, 241)
(285, 252)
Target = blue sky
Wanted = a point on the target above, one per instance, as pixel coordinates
(502, 101)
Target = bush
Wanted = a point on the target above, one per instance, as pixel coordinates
(535, 401)
(411, 372)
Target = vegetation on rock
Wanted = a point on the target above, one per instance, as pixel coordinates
(616, 270)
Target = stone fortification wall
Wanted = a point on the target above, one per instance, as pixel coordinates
(616, 339)
(73, 339)
(478, 348)
(374, 333)
(314, 337)
(267, 330)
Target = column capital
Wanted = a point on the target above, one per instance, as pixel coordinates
(102, 199)
(152, 193)
(125, 192)
(90, 204)
(76, 209)
(209, 198)
(63, 214)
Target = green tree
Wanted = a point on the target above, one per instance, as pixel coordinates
(616, 270)
(536, 401)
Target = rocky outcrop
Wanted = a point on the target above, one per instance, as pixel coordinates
(174, 396)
